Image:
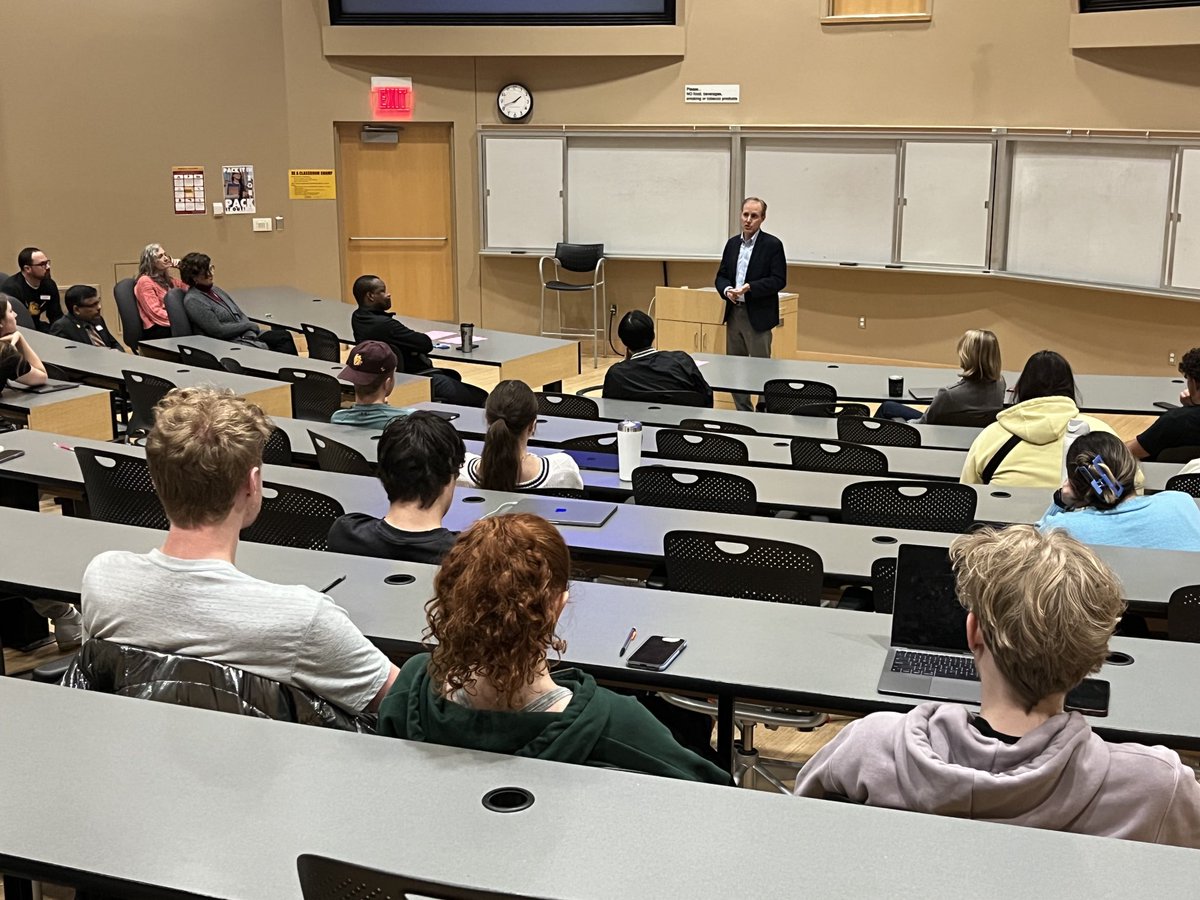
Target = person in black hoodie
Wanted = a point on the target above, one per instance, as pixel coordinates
(487, 684)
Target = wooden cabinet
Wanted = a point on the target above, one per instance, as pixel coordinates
(691, 320)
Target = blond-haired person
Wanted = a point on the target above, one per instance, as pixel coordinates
(1041, 608)
(205, 456)
(972, 400)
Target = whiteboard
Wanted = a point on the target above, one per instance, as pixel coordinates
(523, 185)
(657, 197)
(1089, 212)
(826, 200)
(1186, 270)
(945, 215)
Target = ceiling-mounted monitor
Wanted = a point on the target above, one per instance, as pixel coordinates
(502, 12)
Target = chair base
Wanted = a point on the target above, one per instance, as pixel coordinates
(595, 334)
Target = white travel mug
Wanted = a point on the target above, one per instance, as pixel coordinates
(629, 449)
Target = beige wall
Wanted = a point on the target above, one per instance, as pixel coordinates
(252, 86)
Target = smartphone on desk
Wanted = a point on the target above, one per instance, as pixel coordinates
(8, 455)
(1089, 697)
(656, 653)
(1166, 404)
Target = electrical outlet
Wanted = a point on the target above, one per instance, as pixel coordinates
(612, 310)
(1171, 358)
(862, 321)
(262, 224)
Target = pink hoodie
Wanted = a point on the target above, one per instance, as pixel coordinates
(1060, 776)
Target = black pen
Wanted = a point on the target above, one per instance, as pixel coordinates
(329, 587)
(628, 641)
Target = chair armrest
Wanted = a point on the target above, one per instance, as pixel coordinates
(542, 270)
(599, 276)
(589, 390)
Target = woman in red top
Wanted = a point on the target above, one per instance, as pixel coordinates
(150, 289)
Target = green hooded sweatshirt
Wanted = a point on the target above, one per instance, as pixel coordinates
(598, 727)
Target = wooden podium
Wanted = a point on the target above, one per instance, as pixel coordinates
(691, 319)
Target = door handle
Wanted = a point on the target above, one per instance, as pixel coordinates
(398, 238)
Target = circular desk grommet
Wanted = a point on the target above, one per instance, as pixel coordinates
(833, 366)
(472, 499)
(1003, 495)
(542, 421)
(1117, 658)
(399, 578)
(183, 370)
(376, 437)
(507, 800)
(883, 539)
(1176, 381)
(781, 444)
(653, 407)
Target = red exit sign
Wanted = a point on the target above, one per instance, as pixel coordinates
(391, 98)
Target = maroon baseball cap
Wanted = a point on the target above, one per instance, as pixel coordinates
(367, 361)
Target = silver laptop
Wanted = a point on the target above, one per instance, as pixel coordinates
(584, 513)
(929, 655)
(923, 394)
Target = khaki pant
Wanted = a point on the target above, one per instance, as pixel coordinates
(742, 340)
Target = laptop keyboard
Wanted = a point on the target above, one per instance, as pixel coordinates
(936, 665)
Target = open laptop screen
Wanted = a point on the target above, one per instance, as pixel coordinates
(926, 614)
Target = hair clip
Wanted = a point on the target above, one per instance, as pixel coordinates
(1096, 474)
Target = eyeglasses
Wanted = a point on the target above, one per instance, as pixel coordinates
(42, 265)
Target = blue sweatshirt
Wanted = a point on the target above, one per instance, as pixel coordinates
(1168, 520)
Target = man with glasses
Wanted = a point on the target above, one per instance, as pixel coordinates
(34, 287)
(83, 322)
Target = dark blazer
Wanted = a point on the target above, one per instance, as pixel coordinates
(72, 329)
(766, 274)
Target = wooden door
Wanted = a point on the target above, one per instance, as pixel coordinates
(397, 217)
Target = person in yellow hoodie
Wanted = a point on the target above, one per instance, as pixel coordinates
(1026, 444)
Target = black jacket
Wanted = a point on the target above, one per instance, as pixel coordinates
(409, 346)
(766, 274)
(72, 329)
(45, 313)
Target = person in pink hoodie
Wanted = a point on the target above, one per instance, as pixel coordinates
(1041, 609)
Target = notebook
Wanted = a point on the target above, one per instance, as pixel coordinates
(928, 655)
(559, 511)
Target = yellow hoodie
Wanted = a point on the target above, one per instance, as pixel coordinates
(1038, 460)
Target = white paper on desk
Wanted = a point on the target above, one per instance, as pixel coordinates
(440, 335)
(456, 341)
(702, 362)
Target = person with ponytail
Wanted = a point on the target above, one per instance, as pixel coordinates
(153, 281)
(486, 683)
(1098, 503)
(506, 463)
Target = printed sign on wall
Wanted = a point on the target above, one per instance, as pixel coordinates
(239, 189)
(188, 184)
(311, 184)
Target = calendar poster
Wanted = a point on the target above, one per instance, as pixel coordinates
(188, 184)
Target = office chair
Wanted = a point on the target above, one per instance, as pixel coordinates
(293, 517)
(322, 343)
(334, 456)
(699, 447)
(127, 309)
(144, 392)
(782, 395)
(920, 505)
(880, 432)
(756, 569)
(818, 455)
(668, 398)
(569, 406)
(118, 489)
(315, 395)
(231, 365)
(278, 449)
(575, 258)
(1189, 484)
(322, 878)
(832, 410)
(715, 426)
(181, 325)
(971, 418)
(696, 489)
(1183, 614)
(592, 443)
(200, 359)
(24, 319)
(883, 583)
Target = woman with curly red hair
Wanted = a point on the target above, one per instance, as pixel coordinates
(486, 684)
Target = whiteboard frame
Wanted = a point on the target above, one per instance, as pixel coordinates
(483, 189)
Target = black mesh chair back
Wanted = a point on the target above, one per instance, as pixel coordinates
(712, 425)
(592, 443)
(570, 406)
(694, 489)
(229, 364)
(693, 445)
(118, 489)
(1183, 614)
(817, 455)
(24, 319)
(181, 325)
(578, 257)
(832, 410)
(781, 395)
(1189, 484)
(278, 449)
(127, 309)
(1179, 454)
(322, 878)
(322, 343)
(200, 359)
(315, 395)
(667, 398)
(334, 456)
(734, 566)
(921, 505)
(881, 432)
(883, 583)
(293, 517)
(144, 392)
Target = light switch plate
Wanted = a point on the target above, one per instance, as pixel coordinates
(262, 224)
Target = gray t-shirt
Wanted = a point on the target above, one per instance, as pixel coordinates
(207, 608)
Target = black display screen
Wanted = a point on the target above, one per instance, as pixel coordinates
(502, 12)
(926, 612)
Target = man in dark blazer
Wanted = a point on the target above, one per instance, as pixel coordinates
(753, 271)
(83, 322)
